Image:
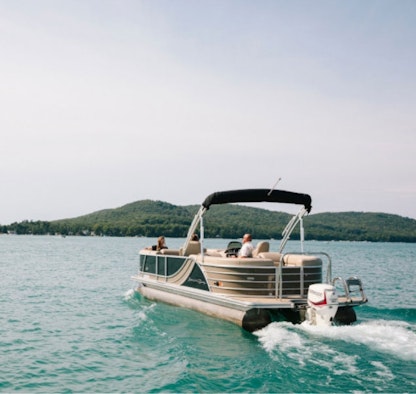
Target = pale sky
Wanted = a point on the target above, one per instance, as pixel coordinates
(103, 103)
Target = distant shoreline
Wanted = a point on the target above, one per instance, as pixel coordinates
(148, 218)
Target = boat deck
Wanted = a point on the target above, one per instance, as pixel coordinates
(273, 303)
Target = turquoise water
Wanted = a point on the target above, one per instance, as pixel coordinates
(71, 322)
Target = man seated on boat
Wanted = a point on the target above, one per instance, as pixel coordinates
(247, 248)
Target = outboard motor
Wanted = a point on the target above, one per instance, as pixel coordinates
(322, 304)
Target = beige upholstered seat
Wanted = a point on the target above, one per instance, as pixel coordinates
(194, 247)
(262, 246)
(299, 260)
(171, 252)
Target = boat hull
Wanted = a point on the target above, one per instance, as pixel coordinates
(248, 292)
(251, 319)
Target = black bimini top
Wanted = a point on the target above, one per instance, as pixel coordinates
(258, 195)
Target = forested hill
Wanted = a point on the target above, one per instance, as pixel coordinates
(153, 218)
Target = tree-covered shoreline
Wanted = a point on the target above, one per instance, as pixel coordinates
(151, 218)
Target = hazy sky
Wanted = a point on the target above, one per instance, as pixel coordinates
(103, 103)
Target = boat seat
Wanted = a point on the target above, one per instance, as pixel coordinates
(301, 260)
(194, 247)
(294, 260)
(237, 261)
(215, 252)
(171, 252)
(275, 256)
(149, 252)
(262, 246)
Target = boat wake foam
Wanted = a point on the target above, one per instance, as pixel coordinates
(135, 301)
(393, 337)
(143, 313)
(341, 353)
(289, 344)
(128, 295)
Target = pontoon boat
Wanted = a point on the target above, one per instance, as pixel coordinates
(251, 292)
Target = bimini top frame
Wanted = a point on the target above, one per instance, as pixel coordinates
(253, 195)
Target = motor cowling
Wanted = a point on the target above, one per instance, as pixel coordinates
(322, 304)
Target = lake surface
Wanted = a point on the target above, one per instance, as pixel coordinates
(71, 322)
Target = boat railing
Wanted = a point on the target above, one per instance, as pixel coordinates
(351, 286)
(279, 271)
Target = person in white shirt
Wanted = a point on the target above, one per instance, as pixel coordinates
(247, 248)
